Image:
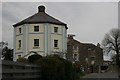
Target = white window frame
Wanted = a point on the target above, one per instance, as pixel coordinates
(20, 30)
(19, 43)
(36, 44)
(55, 43)
(55, 29)
(36, 28)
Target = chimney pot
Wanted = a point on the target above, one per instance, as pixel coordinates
(41, 8)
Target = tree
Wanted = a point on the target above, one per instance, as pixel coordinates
(3, 44)
(7, 54)
(111, 42)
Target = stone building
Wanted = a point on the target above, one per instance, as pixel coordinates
(40, 33)
(88, 55)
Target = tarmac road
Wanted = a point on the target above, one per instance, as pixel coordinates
(101, 76)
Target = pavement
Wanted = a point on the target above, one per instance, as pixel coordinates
(101, 76)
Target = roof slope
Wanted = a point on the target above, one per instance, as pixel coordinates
(41, 17)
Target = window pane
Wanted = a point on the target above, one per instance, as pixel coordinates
(36, 42)
(55, 29)
(55, 43)
(19, 56)
(36, 28)
(19, 30)
(19, 44)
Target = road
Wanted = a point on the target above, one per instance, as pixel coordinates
(101, 76)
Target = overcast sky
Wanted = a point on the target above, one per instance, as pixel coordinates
(89, 21)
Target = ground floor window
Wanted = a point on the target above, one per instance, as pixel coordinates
(19, 56)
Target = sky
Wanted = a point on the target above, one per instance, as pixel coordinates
(60, 0)
(89, 21)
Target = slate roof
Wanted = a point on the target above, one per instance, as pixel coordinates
(40, 17)
(72, 41)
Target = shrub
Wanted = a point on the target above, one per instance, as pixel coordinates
(56, 68)
(24, 60)
(69, 70)
(34, 58)
(78, 72)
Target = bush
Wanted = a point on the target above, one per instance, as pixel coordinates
(34, 58)
(78, 72)
(24, 60)
(55, 68)
(69, 70)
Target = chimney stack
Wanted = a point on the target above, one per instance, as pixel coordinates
(71, 36)
(41, 8)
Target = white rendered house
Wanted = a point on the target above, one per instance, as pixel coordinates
(40, 33)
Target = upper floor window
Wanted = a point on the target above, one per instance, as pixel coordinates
(19, 30)
(19, 56)
(36, 28)
(76, 57)
(55, 29)
(55, 43)
(36, 42)
(92, 57)
(19, 43)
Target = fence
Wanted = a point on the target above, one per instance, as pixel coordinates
(20, 71)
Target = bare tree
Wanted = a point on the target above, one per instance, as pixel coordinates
(111, 42)
(3, 44)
